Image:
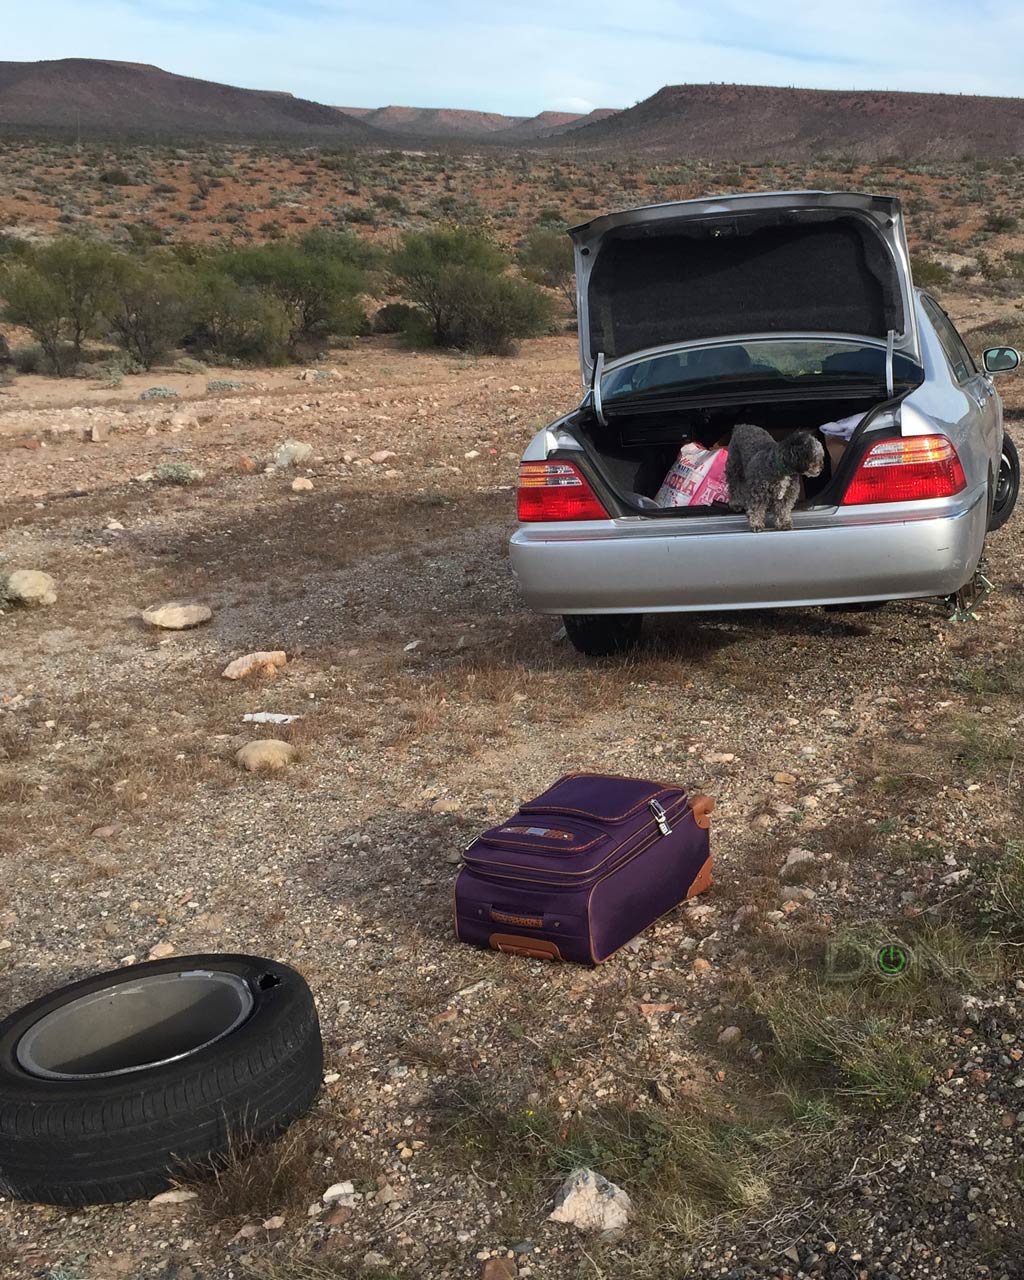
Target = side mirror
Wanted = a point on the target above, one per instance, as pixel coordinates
(1000, 359)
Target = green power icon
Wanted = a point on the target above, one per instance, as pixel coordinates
(892, 959)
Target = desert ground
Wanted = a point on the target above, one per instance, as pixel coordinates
(766, 1119)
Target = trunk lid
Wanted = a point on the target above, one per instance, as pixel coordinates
(800, 263)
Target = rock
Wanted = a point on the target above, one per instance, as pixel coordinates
(589, 1202)
(785, 779)
(498, 1269)
(798, 864)
(386, 1195)
(700, 965)
(473, 453)
(374, 1259)
(301, 484)
(446, 806)
(730, 1036)
(292, 452)
(176, 616)
(30, 587)
(265, 755)
(161, 951)
(342, 1193)
(382, 455)
(338, 1216)
(246, 464)
(98, 433)
(177, 1195)
(274, 1224)
(263, 662)
(180, 473)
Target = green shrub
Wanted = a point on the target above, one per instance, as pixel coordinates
(928, 273)
(116, 178)
(316, 292)
(459, 283)
(148, 308)
(394, 317)
(546, 258)
(59, 292)
(238, 322)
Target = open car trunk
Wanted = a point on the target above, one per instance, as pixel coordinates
(629, 457)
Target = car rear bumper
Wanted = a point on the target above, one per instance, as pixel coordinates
(661, 565)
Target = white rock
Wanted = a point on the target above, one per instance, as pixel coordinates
(264, 661)
(589, 1202)
(177, 1195)
(383, 455)
(797, 865)
(30, 587)
(265, 755)
(274, 1224)
(269, 717)
(301, 484)
(292, 452)
(730, 1035)
(341, 1193)
(176, 616)
(161, 951)
(472, 453)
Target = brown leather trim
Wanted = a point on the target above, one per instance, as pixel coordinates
(535, 948)
(703, 807)
(523, 922)
(702, 880)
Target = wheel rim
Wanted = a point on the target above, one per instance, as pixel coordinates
(135, 1025)
(1004, 481)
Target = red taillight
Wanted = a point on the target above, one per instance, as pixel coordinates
(906, 469)
(556, 491)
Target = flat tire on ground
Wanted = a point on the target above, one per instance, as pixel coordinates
(114, 1086)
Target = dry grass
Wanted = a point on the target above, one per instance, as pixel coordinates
(258, 1179)
(682, 1167)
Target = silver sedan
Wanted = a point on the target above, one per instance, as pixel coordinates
(793, 311)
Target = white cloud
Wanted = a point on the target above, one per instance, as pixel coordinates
(582, 105)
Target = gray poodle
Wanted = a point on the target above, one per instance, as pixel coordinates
(762, 473)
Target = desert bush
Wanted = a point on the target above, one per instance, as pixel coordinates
(460, 283)
(59, 292)
(236, 321)
(394, 317)
(116, 177)
(927, 272)
(317, 292)
(546, 257)
(148, 308)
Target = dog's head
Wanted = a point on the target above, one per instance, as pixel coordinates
(802, 454)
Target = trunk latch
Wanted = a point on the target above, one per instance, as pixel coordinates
(661, 818)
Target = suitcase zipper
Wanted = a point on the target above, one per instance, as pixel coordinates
(660, 817)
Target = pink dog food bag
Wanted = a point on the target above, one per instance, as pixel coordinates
(697, 478)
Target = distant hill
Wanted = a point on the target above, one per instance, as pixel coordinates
(132, 99)
(452, 123)
(752, 122)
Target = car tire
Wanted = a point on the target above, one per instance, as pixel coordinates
(1007, 487)
(114, 1086)
(603, 635)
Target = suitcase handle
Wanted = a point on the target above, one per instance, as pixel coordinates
(702, 808)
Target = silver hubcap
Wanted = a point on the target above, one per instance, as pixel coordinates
(135, 1025)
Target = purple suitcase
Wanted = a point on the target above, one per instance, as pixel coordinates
(583, 868)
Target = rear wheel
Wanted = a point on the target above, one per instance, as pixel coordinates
(602, 635)
(1007, 486)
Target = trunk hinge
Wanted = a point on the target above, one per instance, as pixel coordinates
(890, 345)
(595, 388)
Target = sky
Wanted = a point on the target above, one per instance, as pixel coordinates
(534, 55)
